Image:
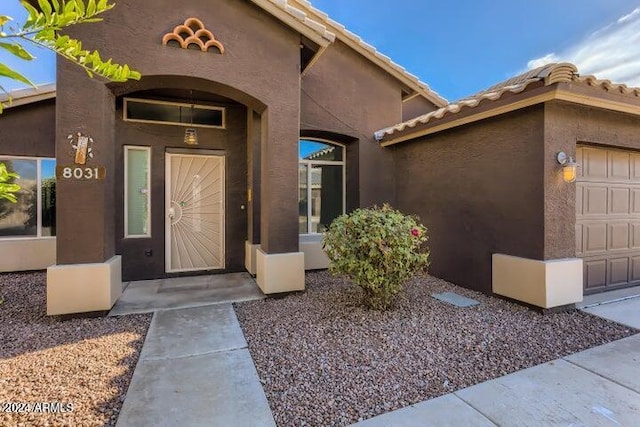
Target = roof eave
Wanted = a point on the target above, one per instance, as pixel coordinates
(354, 42)
(29, 95)
(297, 20)
(562, 92)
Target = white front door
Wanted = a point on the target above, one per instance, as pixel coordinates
(195, 212)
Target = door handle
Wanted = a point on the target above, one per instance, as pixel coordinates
(172, 213)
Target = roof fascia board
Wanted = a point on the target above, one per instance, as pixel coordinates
(29, 96)
(313, 60)
(591, 101)
(411, 96)
(527, 102)
(557, 94)
(370, 53)
(269, 7)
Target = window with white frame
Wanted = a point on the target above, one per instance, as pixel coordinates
(137, 191)
(321, 185)
(34, 214)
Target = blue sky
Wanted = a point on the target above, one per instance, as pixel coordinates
(461, 47)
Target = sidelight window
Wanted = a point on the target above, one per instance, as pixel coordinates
(137, 191)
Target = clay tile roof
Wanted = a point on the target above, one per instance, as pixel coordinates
(298, 15)
(549, 74)
(355, 42)
(607, 86)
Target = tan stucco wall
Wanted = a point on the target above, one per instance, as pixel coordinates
(83, 288)
(27, 254)
(278, 273)
(545, 284)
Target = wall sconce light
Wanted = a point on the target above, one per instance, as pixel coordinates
(190, 136)
(569, 167)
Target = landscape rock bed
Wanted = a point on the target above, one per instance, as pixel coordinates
(324, 360)
(85, 362)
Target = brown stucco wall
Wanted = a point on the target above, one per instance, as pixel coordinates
(567, 125)
(479, 190)
(416, 107)
(29, 130)
(346, 94)
(260, 68)
(137, 263)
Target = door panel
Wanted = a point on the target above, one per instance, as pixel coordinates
(195, 213)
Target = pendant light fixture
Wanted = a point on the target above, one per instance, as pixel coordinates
(190, 134)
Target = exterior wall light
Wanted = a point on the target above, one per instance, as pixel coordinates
(569, 167)
(190, 134)
(190, 137)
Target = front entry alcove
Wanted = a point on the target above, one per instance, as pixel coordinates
(181, 207)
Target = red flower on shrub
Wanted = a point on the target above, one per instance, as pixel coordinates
(415, 232)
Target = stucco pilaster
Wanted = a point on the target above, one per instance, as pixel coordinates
(279, 178)
(85, 206)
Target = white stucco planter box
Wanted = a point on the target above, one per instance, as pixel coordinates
(314, 257)
(545, 284)
(83, 288)
(279, 273)
(27, 254)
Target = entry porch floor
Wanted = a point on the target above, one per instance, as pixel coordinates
(147, 296)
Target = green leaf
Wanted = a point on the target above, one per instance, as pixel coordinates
(17, 50)
(45, 6)
(4, 19)
(14, 75)
(80, 7)
(91, 8)
(33, 15)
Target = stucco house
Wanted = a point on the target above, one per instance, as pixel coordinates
(257, 122)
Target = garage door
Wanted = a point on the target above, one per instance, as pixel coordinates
(608, 218)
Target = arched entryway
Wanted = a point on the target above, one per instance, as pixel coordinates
(181, 196)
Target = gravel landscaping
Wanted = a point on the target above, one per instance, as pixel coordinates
(87, 363)
(326, 361)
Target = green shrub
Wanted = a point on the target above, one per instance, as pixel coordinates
(379, 249)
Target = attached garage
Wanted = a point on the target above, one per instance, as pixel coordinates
(511, 220)
(608, 217)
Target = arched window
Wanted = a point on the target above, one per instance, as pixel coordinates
(321, 184)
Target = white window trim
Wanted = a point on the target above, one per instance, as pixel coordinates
(309, 164)
(38, 235)
(128, 148)
(177, 104)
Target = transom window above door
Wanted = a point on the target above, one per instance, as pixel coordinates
(173, 113)
(321, 184)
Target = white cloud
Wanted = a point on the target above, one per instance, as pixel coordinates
(539, 62)
(610, 53)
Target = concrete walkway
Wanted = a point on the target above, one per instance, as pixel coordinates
(147, 296)
(195, 370)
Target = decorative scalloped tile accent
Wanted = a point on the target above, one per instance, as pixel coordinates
(193, 32)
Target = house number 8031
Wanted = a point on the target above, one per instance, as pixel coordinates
(80, 173)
